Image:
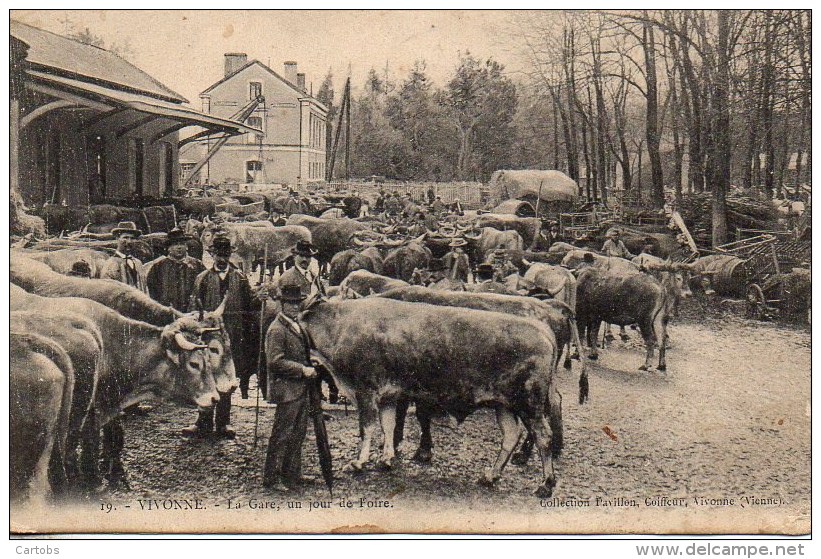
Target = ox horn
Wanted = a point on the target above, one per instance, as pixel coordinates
(221, 309)
(186, 345)
(200, 309)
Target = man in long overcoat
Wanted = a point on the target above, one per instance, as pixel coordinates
(171, 278)
(289, 372)
(224, 282)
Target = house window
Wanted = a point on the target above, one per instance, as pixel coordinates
(255, 122)
(95, 153)
(254, 90)
(253, 171)
(136, 157)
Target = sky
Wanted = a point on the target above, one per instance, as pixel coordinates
(184, 49)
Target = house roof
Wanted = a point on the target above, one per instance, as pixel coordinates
(62, 56)
(141, 103)
(301, 93)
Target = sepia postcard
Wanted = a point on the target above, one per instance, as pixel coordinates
(361, 272)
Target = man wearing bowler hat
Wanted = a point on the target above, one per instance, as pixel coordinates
(300, 273)
(170, 278)
(290, 369)
(123, 266)
(485, 283)
(223, 282)
(456, 261)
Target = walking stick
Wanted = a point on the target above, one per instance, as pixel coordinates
(261, 352)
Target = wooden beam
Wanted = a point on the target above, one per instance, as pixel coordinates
(60, 94)
(98, 118)
(199, 136)
(44, 109)
(166, 131)
(136, 124)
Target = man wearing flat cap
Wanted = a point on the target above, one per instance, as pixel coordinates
(123, 266)
(170, 278)
(224, 282)
(290, 370)
(300, 273)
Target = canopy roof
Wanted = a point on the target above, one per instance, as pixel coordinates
(549, 185)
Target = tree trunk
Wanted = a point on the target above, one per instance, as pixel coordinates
(767, 104)
(721, 131)
(657, 186)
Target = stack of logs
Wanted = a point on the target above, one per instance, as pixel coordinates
(742, 211)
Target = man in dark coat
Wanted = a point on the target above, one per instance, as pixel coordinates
(223, 282)
(485, 282)
(289, 372)
(456, 261)
(170, 278)
(123, 266)
(300, 273)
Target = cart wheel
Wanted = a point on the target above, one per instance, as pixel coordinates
(755, 302)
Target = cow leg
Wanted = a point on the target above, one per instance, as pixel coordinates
(660, 332)
(650, 342)
(554, 404)
(89, 466)
(367, 424)
(387, 417)
(510, 436)
(592, 335)
(424, 414)
(608, 333)
(544, 435)
(622, 334)
(113, 444)
(402, 405)
(521, 457)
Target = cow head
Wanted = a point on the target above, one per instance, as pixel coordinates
(218, 351)
(193, 380)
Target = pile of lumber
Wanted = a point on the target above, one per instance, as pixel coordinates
(742, 211)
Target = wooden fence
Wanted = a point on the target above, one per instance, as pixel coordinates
(471, 195)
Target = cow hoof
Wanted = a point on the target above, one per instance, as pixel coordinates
(609, 337)
(385, 464)
(593, 356)
(519, 459)
(624, 337)
(644, 368)
(486, 481)
(423, 456)
(661, 368)
(545, 490)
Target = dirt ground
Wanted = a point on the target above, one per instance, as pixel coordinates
(728, 423)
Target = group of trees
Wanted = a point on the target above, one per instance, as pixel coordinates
(694, 99)
(414, 130)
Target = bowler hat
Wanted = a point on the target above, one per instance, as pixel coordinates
(304, 248)
(221, 246)
(126, 227)
(291, 292)
(175, 237)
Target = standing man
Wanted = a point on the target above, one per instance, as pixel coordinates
(123, 266)
(614, 246)
(289, 372)
(456, 261)
(300, 274)
(223, 282)
(485, 283)
(431, 195)
(170, 278)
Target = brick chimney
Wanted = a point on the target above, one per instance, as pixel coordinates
(289, 71)
(300, 81)
(234, 61)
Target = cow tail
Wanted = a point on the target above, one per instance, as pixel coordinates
(584, 384)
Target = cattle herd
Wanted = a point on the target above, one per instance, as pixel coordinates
(84, 349)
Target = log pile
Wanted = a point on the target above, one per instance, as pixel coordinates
(742, 211)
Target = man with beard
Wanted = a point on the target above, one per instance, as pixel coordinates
(223, 282)
(171, 278)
